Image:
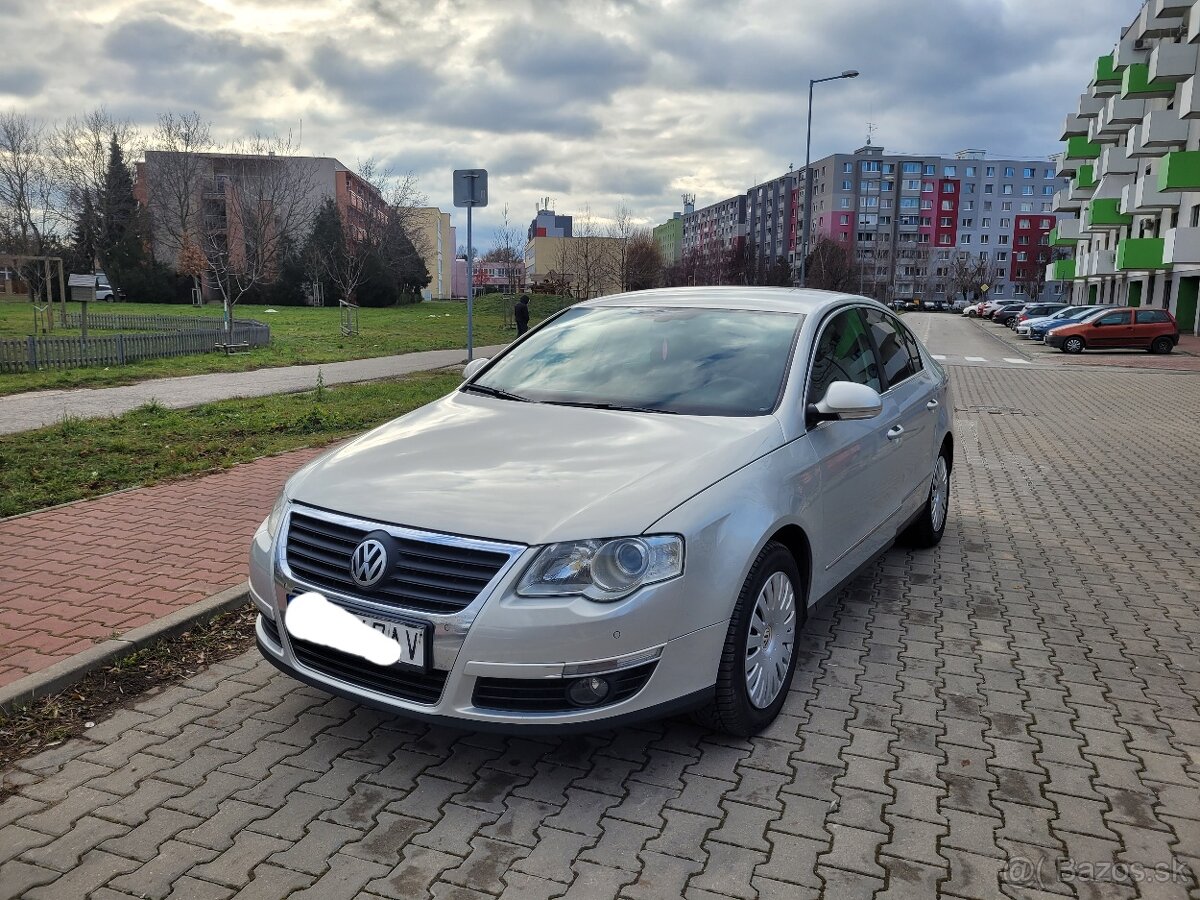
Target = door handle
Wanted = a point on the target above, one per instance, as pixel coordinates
(932, 404)
(894, 432)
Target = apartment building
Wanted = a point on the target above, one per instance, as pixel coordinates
(771, 218)
(712, 233)
(909, 220)
(669, 235)
(433, 238)
(1133, 154)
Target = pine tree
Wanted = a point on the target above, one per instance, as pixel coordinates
(85, 236)
(121, 246)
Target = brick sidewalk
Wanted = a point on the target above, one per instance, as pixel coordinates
(87, 571)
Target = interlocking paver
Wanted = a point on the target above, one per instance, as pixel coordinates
(1029, 691)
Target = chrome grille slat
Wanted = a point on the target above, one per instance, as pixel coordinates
(424, 576)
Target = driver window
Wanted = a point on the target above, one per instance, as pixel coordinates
(1118, 318)
(843, 354)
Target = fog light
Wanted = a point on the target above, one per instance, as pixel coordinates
(588, 691)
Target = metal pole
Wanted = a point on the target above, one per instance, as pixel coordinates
(470, 287)
(808, 187)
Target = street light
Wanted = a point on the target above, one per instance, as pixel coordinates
(808, 185)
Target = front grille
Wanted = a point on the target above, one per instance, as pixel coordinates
(392, 681)
(426, 576)
(271, 629)
(550, 694)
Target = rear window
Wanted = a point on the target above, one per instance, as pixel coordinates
(1152, 316)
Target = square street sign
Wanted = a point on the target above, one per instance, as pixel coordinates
(470, 187)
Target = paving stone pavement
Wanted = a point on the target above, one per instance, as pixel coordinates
(1015, 714)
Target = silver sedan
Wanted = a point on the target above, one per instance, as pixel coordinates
(626, 514)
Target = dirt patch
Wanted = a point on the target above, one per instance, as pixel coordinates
(49, 721)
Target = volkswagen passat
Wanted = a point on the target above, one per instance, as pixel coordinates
(627, 513)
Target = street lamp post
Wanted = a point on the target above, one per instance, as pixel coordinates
(808, 179)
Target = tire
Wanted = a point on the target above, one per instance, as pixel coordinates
(930, 525)
(1162, 345)
(737, 708)
(1073, 345)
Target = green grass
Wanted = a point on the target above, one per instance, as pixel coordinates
(76, 459)
(299, 336)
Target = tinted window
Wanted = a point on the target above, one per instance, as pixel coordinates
(843, 353)
(893, 351)
(1151, 316)
(717, 362)
(914, 349)
(1117, 318)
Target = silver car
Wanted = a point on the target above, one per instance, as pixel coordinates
(626, 514)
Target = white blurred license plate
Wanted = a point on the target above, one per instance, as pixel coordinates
(410, 638)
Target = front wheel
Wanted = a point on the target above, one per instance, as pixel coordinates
(759, 656)
(1073, 345)
(1162, 345)
(930, 525)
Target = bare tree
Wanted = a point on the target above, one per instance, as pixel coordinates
(643, 261)
(506, 249)
(175, 178)
(621, 229)
(28, 193)
(258, 206)
(79, 151)
(831, 267)
(968, 274)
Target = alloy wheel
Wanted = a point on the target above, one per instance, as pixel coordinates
(939, 495)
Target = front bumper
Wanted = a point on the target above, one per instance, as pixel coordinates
(1054, 340)
(504, 640)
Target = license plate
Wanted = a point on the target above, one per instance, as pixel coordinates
(411, 636)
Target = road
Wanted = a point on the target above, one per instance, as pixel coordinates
(1016, 713)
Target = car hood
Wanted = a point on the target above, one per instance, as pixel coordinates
(530, 473)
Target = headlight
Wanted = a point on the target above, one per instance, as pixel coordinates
(603, 570)
(275, 519)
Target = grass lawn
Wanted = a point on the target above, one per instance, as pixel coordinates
(152, 444)
(299, 335)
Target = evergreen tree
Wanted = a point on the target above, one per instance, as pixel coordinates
(85, 236)
(325, 248)
(121, 247)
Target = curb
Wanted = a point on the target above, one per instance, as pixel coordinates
(65, 673)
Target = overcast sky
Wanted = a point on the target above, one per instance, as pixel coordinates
(589, 103)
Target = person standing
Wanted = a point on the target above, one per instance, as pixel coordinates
(521, 314)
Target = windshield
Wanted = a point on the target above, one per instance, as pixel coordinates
(705, 362)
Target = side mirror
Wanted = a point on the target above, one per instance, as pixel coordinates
(846, 400)
(474, 366)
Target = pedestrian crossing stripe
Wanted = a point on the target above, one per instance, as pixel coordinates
(1020, 362)
(936, 356)
(974, 359)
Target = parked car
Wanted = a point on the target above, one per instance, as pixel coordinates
(899, 304)
(960, 305)
(974, 310)
(1006, 313)
(1024, 328)
(625, 514)
(1035, 311)
(1145, 329)
(990, 307)
(1039, 331)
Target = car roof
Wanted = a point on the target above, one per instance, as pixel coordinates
(767, 299)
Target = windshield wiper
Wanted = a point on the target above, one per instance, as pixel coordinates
(611, 406)
(493, 392)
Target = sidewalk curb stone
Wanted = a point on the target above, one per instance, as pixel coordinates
(65, 673)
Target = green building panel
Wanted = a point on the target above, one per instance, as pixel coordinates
(1106, 72)
(1106, 214)
(1180, 172)
(1082, 148)
(1140, 254)
(1136, 83)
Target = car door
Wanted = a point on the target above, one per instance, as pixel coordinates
(849, 454)
(1147, 325)
(910, 410)
(1112, 330)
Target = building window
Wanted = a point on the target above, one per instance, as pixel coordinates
(1028, 172)
(1009, 172)
(870, 165)
(927, 187)
(969, 188)
(909, 203)
(987, 205)
(947, 187)
(870, 201)
(1022, 223)
(1026, 207)
(926, 204)
(1047, 173)
(885, 204)
(848, 167)
(1006, 189)
(968, 223)
(912, 184)
(945, 221)
(923, 239)
(1046, 207)
(948, 204)
(1048, 190)
(1006, 206)
(991, 172)
(844, 203)
(1023, 240)
(949, 171)
(989, 189)
(911, 168)
(1003, 239)
(1047, 223)
(888, 168)
(1006, 223)
(930, 170)
(970, 171)
(964, 239)
(985, 239)
(1027, 190)
(968, 204)
(1001, 255)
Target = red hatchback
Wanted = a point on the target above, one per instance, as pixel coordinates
(1141, 329)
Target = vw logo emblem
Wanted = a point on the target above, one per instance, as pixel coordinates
(368, 562)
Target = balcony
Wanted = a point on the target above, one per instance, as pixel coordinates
(1083, 185)
(1063, 203)
(1187, 103)
(1137, 84)
(1067, 233)
(1061, 270)
(1172, 63)
(1168, 12)
(1101, 132)
(1074, 126)
(1114, 161)
(1120, 113)
(1179, 172)
(1149, 198)
(1105, 214)
(1156, 21)
(1181, 247)
(1140, 255)
(1106, 79)
(1080, 149)
(1161, 129)
(1110, 186)
(1090, 106)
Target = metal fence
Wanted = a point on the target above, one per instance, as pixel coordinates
(33, 353)
(139, 322)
